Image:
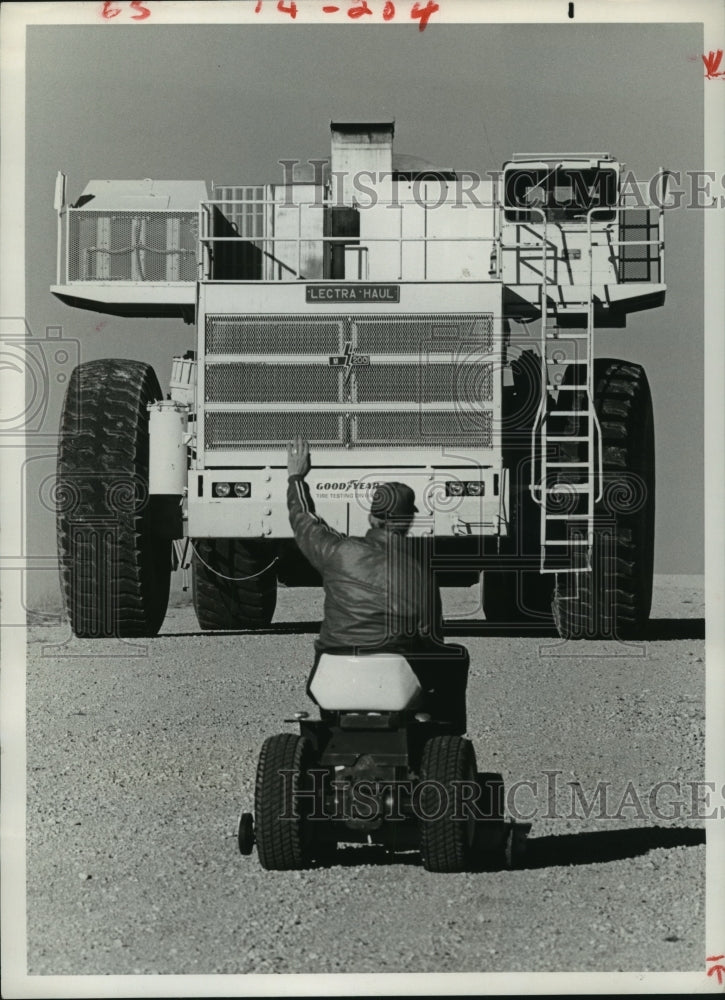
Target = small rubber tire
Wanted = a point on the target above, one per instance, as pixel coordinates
(613, 599)
(245, 833)
(281, 828)
(115, 569)
(228, 589)
(447, 840)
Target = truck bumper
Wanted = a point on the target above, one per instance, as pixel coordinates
(344, 502)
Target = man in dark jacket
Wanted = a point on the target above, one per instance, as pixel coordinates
(380, 595)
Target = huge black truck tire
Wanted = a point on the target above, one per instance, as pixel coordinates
(613, 600)
(519, 594)
(234, 583)
(115, 569)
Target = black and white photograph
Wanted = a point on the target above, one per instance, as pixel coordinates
(362, 497)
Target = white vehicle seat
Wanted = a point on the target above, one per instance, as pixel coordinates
(381, 682)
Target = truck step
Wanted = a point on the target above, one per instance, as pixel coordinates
(569, 335)
(567, 437)
(561, 465)
(569, 569)
(569, 541)
(567, 517)
(570, 488)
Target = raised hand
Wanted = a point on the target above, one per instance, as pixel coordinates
(298, 457)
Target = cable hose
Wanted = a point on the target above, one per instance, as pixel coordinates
(233, 579)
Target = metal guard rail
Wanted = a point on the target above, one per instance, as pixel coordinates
(206, 239)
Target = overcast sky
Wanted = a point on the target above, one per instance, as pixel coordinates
(225, 103)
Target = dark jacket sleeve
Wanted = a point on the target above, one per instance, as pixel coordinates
(316, 539)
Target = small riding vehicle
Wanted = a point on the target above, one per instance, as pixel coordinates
(375, 768)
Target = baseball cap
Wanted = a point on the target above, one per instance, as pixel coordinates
(393, 500)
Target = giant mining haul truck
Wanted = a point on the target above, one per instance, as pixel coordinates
(414, 326)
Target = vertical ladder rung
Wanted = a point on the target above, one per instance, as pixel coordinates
(568, 550)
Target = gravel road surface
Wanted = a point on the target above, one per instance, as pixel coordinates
(138, 766)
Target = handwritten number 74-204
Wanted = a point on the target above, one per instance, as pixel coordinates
(356, 9)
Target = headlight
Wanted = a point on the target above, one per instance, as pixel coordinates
(459, 488)
(242, 490)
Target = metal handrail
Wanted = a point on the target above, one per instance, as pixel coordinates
(298, 240)
(206, 242)
(349, 239)
(67, 244)
(496, 241)
(543, 244)
(336, 203)
(593, 418)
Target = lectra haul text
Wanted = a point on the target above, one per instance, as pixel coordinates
(352, 293)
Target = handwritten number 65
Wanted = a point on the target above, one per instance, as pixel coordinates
(111, 10)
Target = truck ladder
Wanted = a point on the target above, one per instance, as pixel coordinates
(568, 485)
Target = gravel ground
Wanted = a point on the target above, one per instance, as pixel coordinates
(139, 764)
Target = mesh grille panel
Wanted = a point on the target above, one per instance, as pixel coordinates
(249, 430)
(638, 263)
(272, 335)
(409, 336)
(264, 429)
(425, 429)
(132, 246)
(454, 368)
(259, 383)
(424, 382)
